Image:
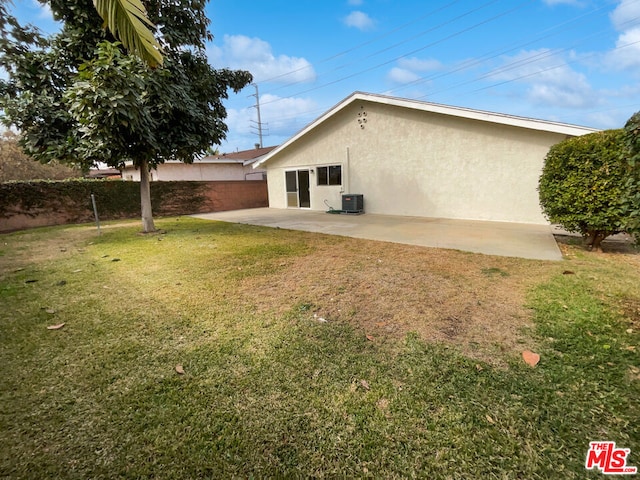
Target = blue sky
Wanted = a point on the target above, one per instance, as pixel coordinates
(574, 61)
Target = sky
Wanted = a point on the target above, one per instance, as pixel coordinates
(572, 61)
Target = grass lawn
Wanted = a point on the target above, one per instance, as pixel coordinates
(306, 355)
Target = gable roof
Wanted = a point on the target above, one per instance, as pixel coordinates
(246, 157)
(498, 118)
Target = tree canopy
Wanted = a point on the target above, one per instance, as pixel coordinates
(16, 166)
(79, 97)
(129, 23)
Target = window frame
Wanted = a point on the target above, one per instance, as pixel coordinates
(327, 176)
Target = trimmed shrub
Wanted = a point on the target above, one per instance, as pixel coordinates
(114, 198)
(584, 185)
(632, 203)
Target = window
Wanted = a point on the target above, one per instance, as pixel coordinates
(292, 181)
(331, 175)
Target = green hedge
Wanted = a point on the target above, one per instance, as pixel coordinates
(114, 198)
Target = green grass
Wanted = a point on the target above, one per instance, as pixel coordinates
(494, 271)
(269, 394)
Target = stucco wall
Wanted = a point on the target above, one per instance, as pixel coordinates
(408, 162)
(208, 172)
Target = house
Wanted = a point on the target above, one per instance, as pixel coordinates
(225, 166)
(413, 158)
(103, 171)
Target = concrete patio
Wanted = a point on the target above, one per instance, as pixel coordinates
(491, 238)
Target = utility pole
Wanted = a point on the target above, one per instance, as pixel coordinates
(259, 122)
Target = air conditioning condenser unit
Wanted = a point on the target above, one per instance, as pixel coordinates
(353, 203)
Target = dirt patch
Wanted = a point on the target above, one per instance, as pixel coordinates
(621, 243)
(32, 247)
(473, 301)
(631, 309)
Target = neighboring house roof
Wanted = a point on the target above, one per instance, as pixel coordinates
(104, 173)
(498, 118)
(245, 157)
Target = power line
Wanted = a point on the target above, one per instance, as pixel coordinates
(531, 60)
(499, 52)
(378, 52)
(375, 67)
(364, 44)
(551, 68)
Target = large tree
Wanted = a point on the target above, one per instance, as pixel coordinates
(78, 96)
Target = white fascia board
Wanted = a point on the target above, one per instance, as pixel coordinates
(306, 129)
(197, 161)
(217, 161)
(252, 161)
(500, 118)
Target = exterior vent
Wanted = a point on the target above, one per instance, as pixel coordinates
(352, 203)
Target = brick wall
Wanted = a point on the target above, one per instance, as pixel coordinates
(236, 195)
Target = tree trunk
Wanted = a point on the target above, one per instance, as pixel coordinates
(589, 238)
(600, 236)
(145, 199)
(595, 238)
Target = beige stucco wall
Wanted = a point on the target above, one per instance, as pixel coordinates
(408, 162)
(197, 172)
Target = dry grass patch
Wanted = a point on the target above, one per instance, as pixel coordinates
(30, 246)
(475, 302)
(46, 244)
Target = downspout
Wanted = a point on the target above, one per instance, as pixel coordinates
(348, 172)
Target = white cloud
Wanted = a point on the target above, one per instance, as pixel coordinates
(44, 11)
(402, 75)
(625, 13)
(419, 64)
(625, 92)
(282, 114)
(550, 81)
(359, 20)
(603, 119)
(626, 55)
(256, 56)
(409, 69)
(561, 94)
(281, 118)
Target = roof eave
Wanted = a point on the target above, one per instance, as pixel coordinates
(308, 128)
(499, 118)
